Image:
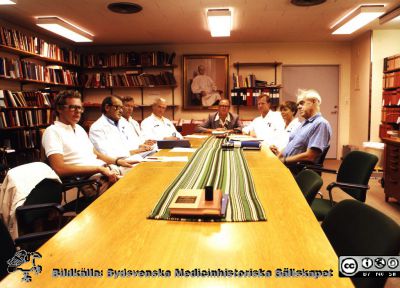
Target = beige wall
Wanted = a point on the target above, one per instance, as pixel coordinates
(288, 53)
(360, 89)
(384, 43)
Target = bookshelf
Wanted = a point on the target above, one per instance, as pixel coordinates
(390, 96)
(246, 90)
(390, 126)
(30, 65)
(126, 72)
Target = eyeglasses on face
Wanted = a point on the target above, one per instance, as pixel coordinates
(224, 106)
(117, 107)
(74, 108)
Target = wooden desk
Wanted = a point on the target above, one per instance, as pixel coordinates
(114, 233)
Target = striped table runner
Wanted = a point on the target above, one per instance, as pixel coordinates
(223, 169)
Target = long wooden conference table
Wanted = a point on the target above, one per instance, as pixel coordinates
(113, 233)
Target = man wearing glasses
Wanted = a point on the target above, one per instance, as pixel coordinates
(138, 144)
(312, 137)
(222, 120)
(109, 134)
(68, 148)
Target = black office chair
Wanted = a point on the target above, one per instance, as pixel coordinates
(309, 183)
(42, 209)
(356, 229)
(352, 178)
(295, 168)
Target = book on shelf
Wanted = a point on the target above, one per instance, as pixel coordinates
(124, 59)
(18, 40)
(192, 203)
(128, 79)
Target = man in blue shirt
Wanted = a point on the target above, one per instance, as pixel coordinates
(312, 137)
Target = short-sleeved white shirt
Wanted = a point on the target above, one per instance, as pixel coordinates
(268, 128)
(72, 143)
(155, 128)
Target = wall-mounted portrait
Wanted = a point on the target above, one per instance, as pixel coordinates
(205, 80)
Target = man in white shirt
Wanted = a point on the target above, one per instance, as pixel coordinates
(156, 126)
(138, 143)
(205, 87)
(68, 148)
(109, 134)
(269, 125)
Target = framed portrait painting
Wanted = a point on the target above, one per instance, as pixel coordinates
(205, 80)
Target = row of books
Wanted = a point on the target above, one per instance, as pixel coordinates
(128, 79)
(24, 70)
(19, 40)
(249, 81)
(391, 97)
(156, 58)
(26, 99)
(25, 118)
(391, 63)
(391, 115)
(249, 96)
(391, 80)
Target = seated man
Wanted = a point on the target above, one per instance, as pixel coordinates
(138, 144)
(269, 125)
(312, 137)
(112, 136)
(68, 148)
(156, 126)
(221, 120)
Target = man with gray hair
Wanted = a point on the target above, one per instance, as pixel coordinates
(312, 137)
(156, 126)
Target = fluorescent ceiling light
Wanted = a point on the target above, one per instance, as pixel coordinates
(64, 29)
(358, 18)
(393, 15)
(219, 22)
(7, 2)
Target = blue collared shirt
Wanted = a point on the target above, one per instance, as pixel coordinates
(315, 132)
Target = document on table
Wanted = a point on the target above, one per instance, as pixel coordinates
(197, 136)
(182, 149)
(166, 159)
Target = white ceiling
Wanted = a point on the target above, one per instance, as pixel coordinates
(184, 21)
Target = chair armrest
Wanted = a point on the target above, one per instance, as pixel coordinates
(76, 182)
(37, 207)
(34, 237)
(302, 165)
(343, 185)
(346, 185)
(319, 168)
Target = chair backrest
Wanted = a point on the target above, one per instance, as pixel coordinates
(46, 191)
(7, 250)
(356, 168)
(188, 128)
(309, 183)
(320, 160)
(354, 228)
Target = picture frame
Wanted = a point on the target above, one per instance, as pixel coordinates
(205, 80)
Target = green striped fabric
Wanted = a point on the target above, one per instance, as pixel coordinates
(223, 169)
